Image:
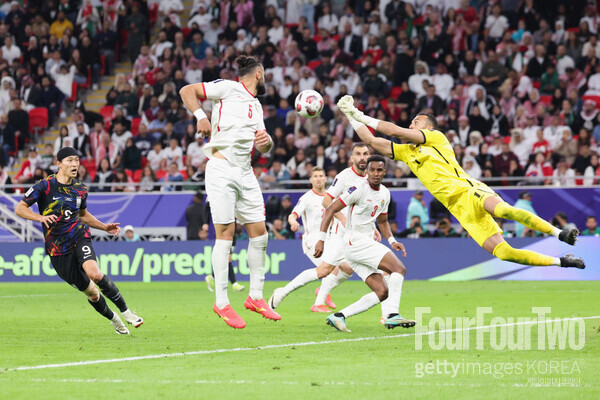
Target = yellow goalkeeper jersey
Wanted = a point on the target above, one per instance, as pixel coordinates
(434, 163)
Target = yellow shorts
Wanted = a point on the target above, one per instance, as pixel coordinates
(469, 211)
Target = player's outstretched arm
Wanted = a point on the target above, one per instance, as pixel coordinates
(335, 207)
(346, 105)
(381, 145)
(91, 221)
(190, 95)
(23, 211)
(386, 231)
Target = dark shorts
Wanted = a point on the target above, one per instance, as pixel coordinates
(70, 266)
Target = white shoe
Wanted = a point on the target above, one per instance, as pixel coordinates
(95, 86)
(238, 287)
(276, 298)
(132, 319)
(63, 115)
(210, 283)
(120, 328)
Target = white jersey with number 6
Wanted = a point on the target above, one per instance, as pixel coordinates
(236, 116)
(310, 209)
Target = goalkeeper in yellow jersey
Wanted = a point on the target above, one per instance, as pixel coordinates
(431, 158)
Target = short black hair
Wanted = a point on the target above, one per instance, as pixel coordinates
(247, 64)
(376, 158)
(431, 119)
(590, 217)
(359, 144)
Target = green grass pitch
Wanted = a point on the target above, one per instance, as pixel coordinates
(50, 323)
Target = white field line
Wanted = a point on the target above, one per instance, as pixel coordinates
(32, 295)
(280, 346)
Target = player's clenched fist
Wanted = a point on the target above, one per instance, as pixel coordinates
(262, 140)
(294, 225)
(399, 247)
(319, 248)
(203, 127)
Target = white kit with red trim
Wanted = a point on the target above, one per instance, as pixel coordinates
(236, 117)
(310, 209)
(344, 180)
(365, 204)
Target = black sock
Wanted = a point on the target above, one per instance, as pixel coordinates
(102, 307)
(110, 290)
(339, 315)
(231, 274)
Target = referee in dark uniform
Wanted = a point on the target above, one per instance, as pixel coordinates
(65, 219)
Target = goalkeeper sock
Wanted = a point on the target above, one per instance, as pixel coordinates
(304, 277)
(530, 220)
(110, 290)
(526, 257)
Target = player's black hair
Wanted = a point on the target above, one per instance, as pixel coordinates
(431, 120)
(376, 158)
(247, 64)
(590, 217)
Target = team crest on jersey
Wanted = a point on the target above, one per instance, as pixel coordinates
(382, 203)
(78, 201)
(351, 189)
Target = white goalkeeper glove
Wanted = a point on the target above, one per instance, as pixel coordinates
(346, 105)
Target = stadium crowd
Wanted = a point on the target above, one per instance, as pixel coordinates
(515, 84)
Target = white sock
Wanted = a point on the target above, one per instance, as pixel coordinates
(304, 277)
(556, 261)
(326, 286)
(367, 301)
(220, 265)
(394, 293)
(257, 250)
(556, 231)
(384, 309)
(340, 277)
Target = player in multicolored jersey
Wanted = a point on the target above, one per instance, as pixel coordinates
(310, 209)
(231, 186)
(430, 157)
(368, 202)
(62, 203)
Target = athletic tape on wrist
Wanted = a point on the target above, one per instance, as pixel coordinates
(200, 114)
(391, 240)
(322, 236)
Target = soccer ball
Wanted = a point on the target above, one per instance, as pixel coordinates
(309, 103)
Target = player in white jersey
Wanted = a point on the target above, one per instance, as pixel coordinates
(335, 255)
(232, 188)
(368, 202)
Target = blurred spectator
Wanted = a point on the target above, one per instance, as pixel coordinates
(5, 180)
(502, 161)
(443, 228)
(173, 175)
(592, 172)
(132, 156)
(51, 98)
(82, 174)
(561, 221)
(103, 175)
(415, 229)
(563, 175)
(583, 160)
(7, 139)
(524, 203)
(121, 182)
(417, 207)
(120, 136)
(592, 228)
(279, 232)
(81, 143)
(277, 172)
(197, 216)
(148, 180)
(173, 153)
(130, 235)
(539, 171)
(29, 166)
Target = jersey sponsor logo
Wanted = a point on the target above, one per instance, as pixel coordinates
(56, 198)
(218, 80)
(78, 201)
(351, 189)
(68, 214)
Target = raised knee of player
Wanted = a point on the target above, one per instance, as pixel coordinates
(324, 269)
(92, 271)
(382, 293)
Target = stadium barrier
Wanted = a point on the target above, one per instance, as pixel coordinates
(436, 259)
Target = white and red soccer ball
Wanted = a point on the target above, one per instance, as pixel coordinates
(309, 103)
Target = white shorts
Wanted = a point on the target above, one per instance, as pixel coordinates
(364, 255)
(334, 250)
(310, 253)
(233, 192)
